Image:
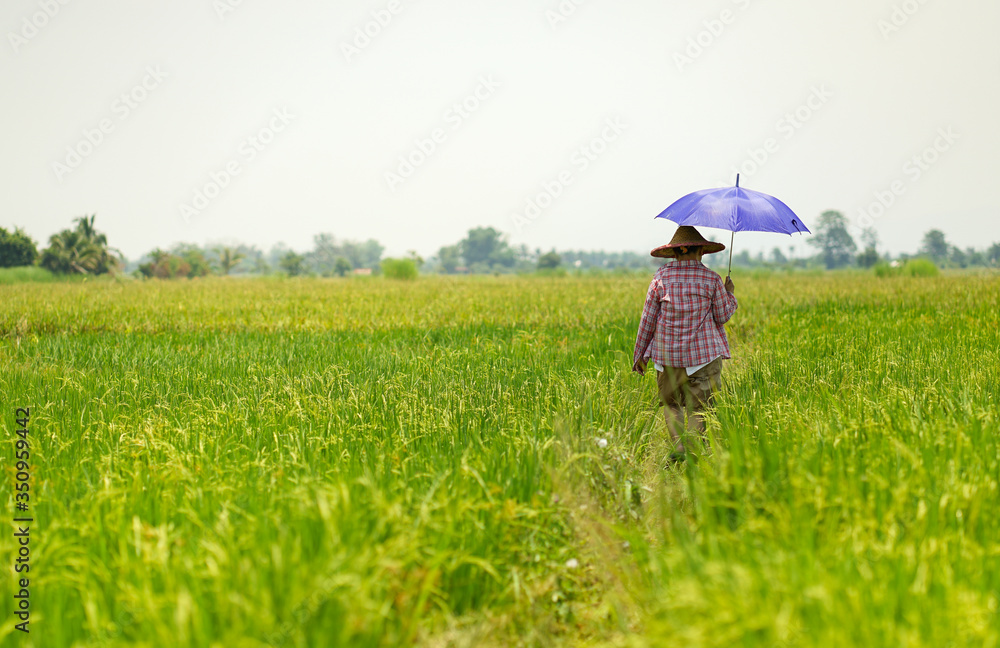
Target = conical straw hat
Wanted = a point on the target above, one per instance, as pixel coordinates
(687, 236)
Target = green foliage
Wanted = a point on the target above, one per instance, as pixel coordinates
(16, 249)
(327, 253)
(342, 266)
(195, 258)
(450, 257)
(229, 258)
(70, 253)
(399, 269)
(605, 260)
(83, 250)
(164, 265)
(414, 256)
(957, 258)
(185, 261)
(975, 258)
(549, 261)
(920, 268)
(993, 255)
(883, 269)
(486, 248)
(868, 258)
(261, 266)
(835, 244)
(935, 246)
(869, 238)
(292, 263)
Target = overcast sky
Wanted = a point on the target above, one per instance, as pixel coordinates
(564, 124)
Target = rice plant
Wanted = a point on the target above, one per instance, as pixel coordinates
(376, 463)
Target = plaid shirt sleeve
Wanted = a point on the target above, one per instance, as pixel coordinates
(647, 325)
(723, 303)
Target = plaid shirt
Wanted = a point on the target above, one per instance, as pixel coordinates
(682, 321)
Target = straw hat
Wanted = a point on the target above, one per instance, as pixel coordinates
(687, 236)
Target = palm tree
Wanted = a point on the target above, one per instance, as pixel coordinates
(229, 258)
(85, 225)
(109, 261)
(69, 252)
(83, 250)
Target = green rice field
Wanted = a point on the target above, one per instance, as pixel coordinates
(328, 462)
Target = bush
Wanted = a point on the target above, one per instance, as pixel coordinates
(405, 269)
(16, 249)
(920, 268)
(883, 269)
(549, 261)
(166, 265)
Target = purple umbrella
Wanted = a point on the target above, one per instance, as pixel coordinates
(736, 210)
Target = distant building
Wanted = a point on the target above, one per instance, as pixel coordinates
(364, 272)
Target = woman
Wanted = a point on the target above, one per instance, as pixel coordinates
(682, 331)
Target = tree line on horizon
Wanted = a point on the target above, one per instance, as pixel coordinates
(836, 248)
(83, 250)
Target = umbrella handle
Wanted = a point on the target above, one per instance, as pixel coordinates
(731, 237)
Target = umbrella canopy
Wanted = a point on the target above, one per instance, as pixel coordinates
(734, 209)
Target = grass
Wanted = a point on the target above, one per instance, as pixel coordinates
(22, 274)
(319, 462)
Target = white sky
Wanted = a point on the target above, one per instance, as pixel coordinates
(882, 98)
